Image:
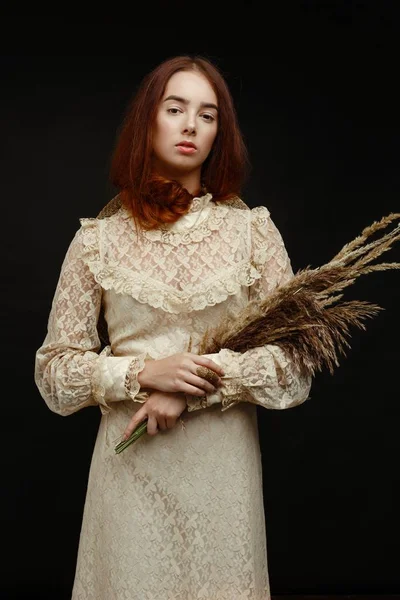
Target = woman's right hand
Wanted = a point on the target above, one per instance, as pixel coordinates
(177, 373)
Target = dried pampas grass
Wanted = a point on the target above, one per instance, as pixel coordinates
(304, 316)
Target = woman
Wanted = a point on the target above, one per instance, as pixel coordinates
(179, 514)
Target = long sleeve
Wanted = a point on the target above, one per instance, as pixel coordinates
(69, 372)
(263, 375)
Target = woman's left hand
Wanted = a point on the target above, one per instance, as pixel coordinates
(162, 410)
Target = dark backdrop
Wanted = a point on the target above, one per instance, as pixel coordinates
(317, 99)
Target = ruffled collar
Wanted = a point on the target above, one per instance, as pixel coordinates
(192, 226)
(200, 202)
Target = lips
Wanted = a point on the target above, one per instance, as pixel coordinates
(187, 145)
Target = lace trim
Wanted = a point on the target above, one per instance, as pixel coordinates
(98, 390)
(198, 402)
(199, 202)
(131, 384)
(262, 249)
(195, 402)
(229, 401)
(197, 234)
(157, 294)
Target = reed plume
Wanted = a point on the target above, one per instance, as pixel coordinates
(305, 317)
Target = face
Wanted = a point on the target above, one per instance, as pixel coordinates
(185, 127)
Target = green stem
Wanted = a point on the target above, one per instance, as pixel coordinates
(135, 435)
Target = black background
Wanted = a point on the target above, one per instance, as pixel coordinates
(316, 91)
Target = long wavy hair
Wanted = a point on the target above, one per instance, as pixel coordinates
(154, 200)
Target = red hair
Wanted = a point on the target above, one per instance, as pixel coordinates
(152, 199)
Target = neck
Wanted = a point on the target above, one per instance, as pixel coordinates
(190, 181)
(194, 189)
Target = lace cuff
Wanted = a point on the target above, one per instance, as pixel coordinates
(114, 378)
(219, 397)
(230, 394)
(263, 375)
(131, 383)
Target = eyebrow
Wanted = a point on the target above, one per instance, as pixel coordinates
(185, 101)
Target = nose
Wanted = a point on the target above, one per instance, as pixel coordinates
(190, 126)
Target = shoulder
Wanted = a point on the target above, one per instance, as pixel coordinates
(258, 217)
(112, 211)
(233, 201)
(86, 238)
(258, 213)
(90, 227)
(260, 221)
(111, 208)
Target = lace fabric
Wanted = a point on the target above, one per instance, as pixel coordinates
(163, 271)
(263, 375)
(245, 251)
(180, 491)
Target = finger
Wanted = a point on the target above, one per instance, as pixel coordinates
(208, 374)
(192, 390)
(207, 362)
(137, 418)
(162, 423)
(152, 425)
(201, 382)
(171, 422)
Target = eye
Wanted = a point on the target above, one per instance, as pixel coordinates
(173, 108)
(209, 117)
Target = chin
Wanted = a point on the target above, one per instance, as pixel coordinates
(183, 166)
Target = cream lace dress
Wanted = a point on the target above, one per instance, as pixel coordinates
(178, 515)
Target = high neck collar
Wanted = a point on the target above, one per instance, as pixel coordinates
(200, 202)
(197, 204)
